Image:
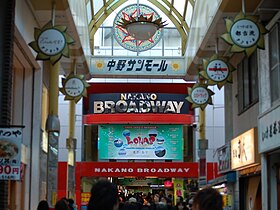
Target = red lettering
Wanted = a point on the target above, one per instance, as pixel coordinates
(128, 140)
(139, 140)
(136, 140)
(7, 169)
(15, 170)
(152, 139)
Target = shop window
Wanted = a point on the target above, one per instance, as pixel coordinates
(247, 77)
(274, 63)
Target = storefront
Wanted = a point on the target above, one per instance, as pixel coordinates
(132, 177)
(139, 136)
(226, 179)
(269, 147)
(246, 160)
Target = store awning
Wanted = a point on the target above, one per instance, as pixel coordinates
(229, 178)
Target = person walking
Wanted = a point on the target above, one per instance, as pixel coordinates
(43, 205)
(208, 199)
(104, 196)
(62, 204)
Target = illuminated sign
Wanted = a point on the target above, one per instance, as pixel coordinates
(243, 149)
(137, 169)
(140, 142)
(138, 103)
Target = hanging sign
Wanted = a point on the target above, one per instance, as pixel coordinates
(10, 153)
(135, 66)
(245, 33)
(217, 71)
(200, 96)
(128, 15)
(51, 42)
(74, 87)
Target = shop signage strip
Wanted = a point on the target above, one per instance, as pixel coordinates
(184, 119)
(269, 130)
(137, 169)
(135, 66)
(107, 103)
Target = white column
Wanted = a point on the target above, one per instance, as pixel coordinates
(264, 182)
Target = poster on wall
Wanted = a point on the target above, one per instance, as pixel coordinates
(10, 153)
(160, 142)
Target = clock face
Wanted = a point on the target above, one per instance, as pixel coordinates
(217, 70)
(200, 95)
(74, 87)
(51, 42)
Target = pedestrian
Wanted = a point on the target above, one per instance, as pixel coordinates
(43, 205)
(131, 206)
(72, 205)
(181, 206)
(146, 204)
(104, 196)
(62, 204)
(208, 199)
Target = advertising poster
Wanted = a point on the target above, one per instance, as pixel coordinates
(140, 142)
(10, 153)
(178, 188)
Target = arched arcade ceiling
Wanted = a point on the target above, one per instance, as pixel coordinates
(171, 8)
(64, 16)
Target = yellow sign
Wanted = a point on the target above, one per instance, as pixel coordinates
(85, 196)
(227, 200)
(178, 188)
(53, 198)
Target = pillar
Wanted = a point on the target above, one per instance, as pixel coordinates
(7, 16)
(53, 129)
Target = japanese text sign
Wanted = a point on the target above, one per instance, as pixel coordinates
(138, 66)
(10, 153)
(269, 131)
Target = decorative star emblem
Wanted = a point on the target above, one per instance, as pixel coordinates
(74, 87)
(129, 15)
(245, 33)
(51, 42)
(199, 96)
(217, 71)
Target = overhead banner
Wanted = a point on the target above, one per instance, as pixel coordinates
(110, 103)
(137, 169)
(156, 142)
(137, 66)
(10, 153)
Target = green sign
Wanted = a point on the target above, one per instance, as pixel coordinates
(140, 142)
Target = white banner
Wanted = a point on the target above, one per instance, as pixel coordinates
(137, 66)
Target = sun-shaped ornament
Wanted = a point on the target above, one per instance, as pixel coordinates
(129, 15)
(199, 96)
(74, 87)
(51, 42)
(217, 71)
(245, 33)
